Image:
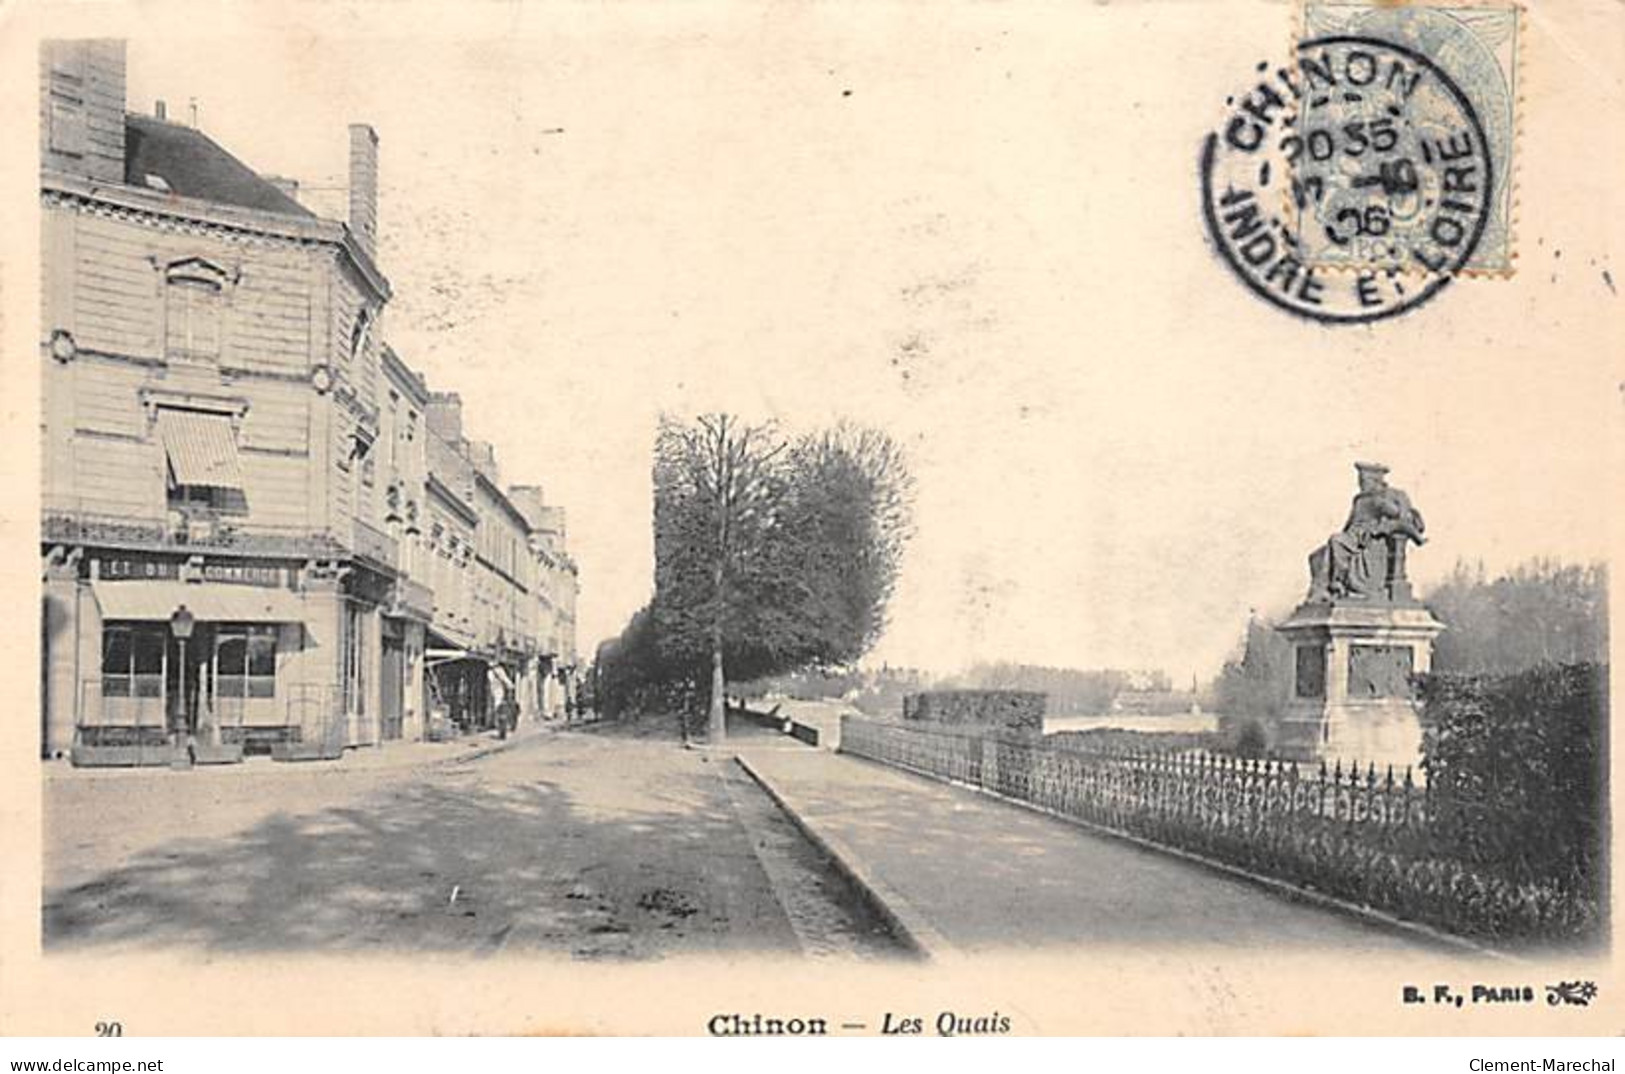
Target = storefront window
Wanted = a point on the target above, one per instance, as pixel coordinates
(245, 661)
(133, 660)
(116, 668)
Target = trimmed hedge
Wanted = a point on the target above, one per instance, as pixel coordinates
(1518, 765)
(1011, 710)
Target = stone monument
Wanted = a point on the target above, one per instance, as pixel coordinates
(1359, 636)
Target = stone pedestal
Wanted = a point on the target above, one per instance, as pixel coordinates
(1351, 692)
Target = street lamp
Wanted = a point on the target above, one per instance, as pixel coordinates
(180, 625)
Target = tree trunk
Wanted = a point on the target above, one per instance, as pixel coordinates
(717, 732)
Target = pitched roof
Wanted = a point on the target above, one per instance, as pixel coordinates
(194, 166)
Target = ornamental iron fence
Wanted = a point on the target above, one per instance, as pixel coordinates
(1379, 839)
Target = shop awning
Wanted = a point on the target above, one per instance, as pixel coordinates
(201, 448)
(451, 643)
(209, 603)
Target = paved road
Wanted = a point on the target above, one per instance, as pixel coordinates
(96, 819)
(984, 874)
(592, 845)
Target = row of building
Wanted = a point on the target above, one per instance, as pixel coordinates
(261, 528)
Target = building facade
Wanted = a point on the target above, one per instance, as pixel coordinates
(208, 365)
(500, 559)
(403, 468)
(552, 603)
(253, 537)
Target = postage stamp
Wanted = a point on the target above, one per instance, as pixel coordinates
(1477, 49)
(1356, 181)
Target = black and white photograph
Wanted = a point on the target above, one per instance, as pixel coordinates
(811, 519)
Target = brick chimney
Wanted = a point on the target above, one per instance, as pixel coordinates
(484, 458)
(553, 521)
(445, 416)
(529, 500)
(82, 95)
(364, 187)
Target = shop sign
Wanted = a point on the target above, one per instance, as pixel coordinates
(243, 574)
(123, 568)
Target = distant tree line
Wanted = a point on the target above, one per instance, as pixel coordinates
(809, 684)
(880, 691)
(1539, 613)
(1071, 691)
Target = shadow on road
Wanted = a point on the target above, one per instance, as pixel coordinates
(628, 857)
(668, 727)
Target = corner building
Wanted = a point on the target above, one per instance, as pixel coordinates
(211, 370)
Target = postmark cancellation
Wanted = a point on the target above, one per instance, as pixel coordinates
(1477, 48)
(1356, 180)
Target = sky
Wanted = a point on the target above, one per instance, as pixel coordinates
(976, 228)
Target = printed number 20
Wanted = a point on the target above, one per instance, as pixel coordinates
(110, 1029)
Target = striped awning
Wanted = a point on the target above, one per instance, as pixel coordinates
(201, 448)
(209, 603)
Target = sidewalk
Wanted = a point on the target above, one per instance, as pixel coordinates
(388, 756)
(961, 871)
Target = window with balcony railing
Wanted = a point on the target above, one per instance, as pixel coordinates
(197, 503)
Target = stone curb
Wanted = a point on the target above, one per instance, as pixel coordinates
(919, 935)
(60, 769)
(1291, 892)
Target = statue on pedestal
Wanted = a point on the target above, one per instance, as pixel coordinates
(1366, 559)
(1360, 638)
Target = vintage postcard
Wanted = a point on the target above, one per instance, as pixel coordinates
(811, 519)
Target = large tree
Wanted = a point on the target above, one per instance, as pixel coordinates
(1257, 684)
(842, 535)
(631, 675)
(772, 554)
